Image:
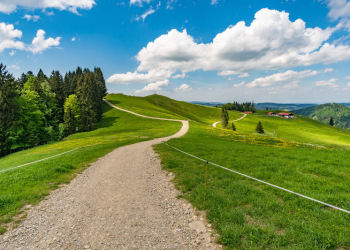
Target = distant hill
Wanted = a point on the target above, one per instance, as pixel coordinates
(323, 113)
(269, 105)
(283, 106)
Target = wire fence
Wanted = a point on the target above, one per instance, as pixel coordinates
(47, 158)
(255, 179)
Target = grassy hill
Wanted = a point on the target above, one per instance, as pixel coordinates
(161, 106)
(323, 113)
(300, 129)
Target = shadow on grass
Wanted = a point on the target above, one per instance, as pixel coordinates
(106, 121)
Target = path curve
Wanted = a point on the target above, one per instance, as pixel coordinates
(215, 123)
(122, 201)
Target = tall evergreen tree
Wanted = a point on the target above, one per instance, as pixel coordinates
(259, 128)
(9, 110)
(41, 76)
(87, 93)
(101, 85)
(224, 117)
(331, 121)
(56, 84)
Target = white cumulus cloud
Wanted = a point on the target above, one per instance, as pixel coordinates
(183, 88)
(155, 86)
(339, 9)
(40, 44)
(272, 41)
(9, 36)
(33, 18)
(9, 6)
(137, 77)
(289, 77)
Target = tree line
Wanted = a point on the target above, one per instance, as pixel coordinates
(38, 109)
(245, 106)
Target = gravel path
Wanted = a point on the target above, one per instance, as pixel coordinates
(122, 201)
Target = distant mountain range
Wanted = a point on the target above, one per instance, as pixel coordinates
(324, 112)
(272, 105)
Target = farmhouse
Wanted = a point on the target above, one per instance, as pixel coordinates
(248, 112)
(286, 115)
(271, 114)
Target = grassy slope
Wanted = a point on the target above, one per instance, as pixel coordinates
(300, 129)
(161, 106)
(29, 184)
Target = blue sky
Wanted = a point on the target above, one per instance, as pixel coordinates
(200, 50)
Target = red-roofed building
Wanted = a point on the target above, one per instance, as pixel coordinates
(286, 115)
(248, 112)
(271, 114)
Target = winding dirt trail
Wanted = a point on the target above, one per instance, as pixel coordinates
(216, 123)
(122, 201)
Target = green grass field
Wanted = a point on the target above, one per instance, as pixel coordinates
(299, 154)
(299, 129)
(30, 184)
(249, 214)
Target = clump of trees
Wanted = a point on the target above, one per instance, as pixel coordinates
(245, 106)
(37, 109)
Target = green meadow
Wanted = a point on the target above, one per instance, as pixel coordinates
(249, 214)
(30, 184)
(299, 154)
(299, 129)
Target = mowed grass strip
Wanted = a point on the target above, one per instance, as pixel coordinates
(30, 184)
(249, 214)
(164, 107)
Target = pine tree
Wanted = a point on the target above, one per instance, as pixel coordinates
(224, 117)
(259, 128)
(56, 84)
(41, 76)
(233, 127)
(9, 109)
(88, 93)
(331, 121)
(102, 90)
